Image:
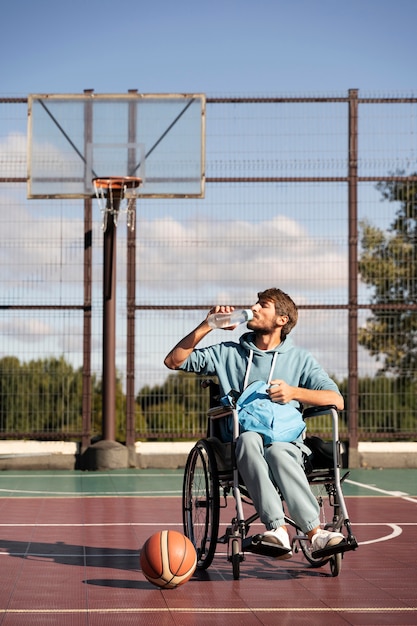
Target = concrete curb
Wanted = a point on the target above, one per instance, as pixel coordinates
(59, 455)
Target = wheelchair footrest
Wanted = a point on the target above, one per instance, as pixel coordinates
(343, 546)
(257, 546)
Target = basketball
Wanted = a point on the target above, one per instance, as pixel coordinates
(168, 559)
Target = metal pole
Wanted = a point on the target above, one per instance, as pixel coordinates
(88, 225)
(131, 295)
(86, 383)
(109, 326)
(353, 384)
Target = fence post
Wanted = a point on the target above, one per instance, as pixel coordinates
(131, 304)
(353, 384)
(88, 242)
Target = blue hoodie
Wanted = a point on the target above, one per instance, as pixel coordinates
(229, 361)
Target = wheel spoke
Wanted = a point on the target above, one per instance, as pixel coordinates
(201, 502)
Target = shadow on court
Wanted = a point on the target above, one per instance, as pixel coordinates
(69, 554)
(117, 584)
(126, 559)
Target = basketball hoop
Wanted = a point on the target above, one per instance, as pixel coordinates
(117, 194)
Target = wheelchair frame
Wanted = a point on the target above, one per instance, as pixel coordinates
(207, 474)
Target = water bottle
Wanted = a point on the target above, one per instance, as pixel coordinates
(224, 320)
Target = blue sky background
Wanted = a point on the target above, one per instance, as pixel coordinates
(220, 47)
(217, 47)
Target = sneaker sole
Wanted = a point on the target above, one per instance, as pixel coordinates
(274, 541)
(332, 542)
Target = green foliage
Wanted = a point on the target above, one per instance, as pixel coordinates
(40, 396)
(387, 405)
(323, 426)
(120, 410)
(388, 263)
(45, 397)
(178, 408)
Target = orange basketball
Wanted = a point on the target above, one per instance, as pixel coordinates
(168, 559)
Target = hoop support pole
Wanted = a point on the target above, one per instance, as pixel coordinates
(109, 330)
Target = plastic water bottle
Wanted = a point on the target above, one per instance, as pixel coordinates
(224, 320)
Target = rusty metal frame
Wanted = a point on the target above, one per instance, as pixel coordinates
(352, 179)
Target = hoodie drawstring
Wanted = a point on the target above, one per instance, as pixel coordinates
(250, 359)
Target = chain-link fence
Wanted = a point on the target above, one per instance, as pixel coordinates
(315, 195)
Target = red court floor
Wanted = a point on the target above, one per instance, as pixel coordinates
(69, 557)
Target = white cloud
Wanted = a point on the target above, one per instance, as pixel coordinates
(36, 248)
(13, 156)
(28, 330)
(278, 251)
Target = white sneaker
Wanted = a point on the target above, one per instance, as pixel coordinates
(325, 539)
(279, 537)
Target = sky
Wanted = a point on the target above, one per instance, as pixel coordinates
(230, 47)
(219, 48)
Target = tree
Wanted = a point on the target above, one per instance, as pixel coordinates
(388, 263)
(120, 411)
(178, 408)
(42, 396)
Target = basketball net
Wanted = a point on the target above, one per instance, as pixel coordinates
(117, 195)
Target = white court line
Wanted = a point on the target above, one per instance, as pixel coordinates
(396, 529)
(211, 610)
(395, 494)
(83, 525)
(47, 556)
(83, 494)
(396, 532)
(84, 476)
(104, 524)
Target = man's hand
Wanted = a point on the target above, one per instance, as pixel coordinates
(279, 391)
(223, 309)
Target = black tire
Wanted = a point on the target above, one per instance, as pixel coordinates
(336, 564)
(335, 560)
(305, 548)
(235, 559)
(201, 502)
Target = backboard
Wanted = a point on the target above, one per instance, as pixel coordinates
(74, 138)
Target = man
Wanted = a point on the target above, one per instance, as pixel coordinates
(268, 354)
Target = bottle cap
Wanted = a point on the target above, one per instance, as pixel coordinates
(249, 314)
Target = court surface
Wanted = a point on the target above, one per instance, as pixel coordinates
(70, 543)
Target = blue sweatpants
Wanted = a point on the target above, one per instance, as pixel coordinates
(263, 469)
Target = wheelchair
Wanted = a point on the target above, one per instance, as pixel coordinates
(211, 475)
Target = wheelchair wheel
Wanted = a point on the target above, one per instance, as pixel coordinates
(201, 502)
(236, 559)
(336, 564)
(335, 560)
(306, 550)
